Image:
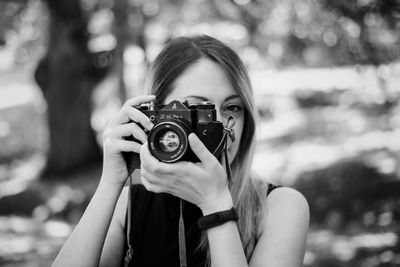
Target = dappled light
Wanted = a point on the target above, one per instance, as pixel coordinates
(325, 77)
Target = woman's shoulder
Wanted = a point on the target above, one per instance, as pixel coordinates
(280, 193)
(289, 205)
(281, 199)
(284, 227)
(283, 195)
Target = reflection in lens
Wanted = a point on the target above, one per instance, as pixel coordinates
(169, 141)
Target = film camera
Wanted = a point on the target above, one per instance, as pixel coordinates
(168, 139)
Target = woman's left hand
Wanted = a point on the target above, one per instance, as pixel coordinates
(203, 184)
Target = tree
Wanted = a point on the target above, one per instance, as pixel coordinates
(377, 22)
(67, 75)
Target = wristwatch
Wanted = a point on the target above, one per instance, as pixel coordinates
(217, 218)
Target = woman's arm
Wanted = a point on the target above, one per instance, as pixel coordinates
(225, 246)
(85, 244)
(113, 249)
(224, 240)
(283, 240)
(205, 185)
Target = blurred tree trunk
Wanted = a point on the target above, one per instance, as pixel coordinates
(121, 33)
(67, 77)
(129, 29)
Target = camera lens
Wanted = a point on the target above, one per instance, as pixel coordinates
(169, 141)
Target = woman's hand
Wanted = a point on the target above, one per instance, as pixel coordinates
(127, 122)
(203, 184)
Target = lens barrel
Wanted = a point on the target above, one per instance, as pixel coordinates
(168, 141)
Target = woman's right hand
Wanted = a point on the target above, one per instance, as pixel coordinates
(127, 122)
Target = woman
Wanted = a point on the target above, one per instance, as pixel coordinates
(270, 230)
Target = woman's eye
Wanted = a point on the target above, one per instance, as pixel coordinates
(233, 108)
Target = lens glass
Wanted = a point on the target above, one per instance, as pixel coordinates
(169, 141)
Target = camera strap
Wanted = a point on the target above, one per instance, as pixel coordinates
(129, 252)
(228, 131)
(182, 240)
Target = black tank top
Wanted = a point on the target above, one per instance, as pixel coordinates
(154, 230)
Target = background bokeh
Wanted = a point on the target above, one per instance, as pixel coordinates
(326, 78)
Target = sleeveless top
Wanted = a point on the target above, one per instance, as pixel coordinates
(154, 230)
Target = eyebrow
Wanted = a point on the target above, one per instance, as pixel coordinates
(206, 99)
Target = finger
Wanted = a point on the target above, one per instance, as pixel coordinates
(139, 117)
(152, 164)
(127, 146)
(149, 186)
(200, 150)
(129, 113)
(130, 105)
(151, 178)
(129, 129)
(136, 101)
(145, 183)
(166, 183)
(123, 115)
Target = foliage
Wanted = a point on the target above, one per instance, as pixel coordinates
(377, 24)
(282, 33)
(23, 25)
(9, 10)
(267, 34)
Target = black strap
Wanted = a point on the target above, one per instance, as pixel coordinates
(228, 131)
(271, 187)
(217, 218)
(182, 241)
(129, 252)
(228, 167)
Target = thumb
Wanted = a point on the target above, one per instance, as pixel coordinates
(200, 150)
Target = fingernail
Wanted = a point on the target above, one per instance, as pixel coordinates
(193, 137)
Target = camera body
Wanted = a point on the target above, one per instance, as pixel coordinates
(168, 139)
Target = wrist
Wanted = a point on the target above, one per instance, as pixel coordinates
(217, 218)
(110, 185)
(222, 202)
(108, 192)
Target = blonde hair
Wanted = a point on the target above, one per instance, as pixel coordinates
(248, 194)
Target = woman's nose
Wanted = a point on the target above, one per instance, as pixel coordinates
(220, 117)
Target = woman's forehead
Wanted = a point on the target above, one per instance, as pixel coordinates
(205, 79)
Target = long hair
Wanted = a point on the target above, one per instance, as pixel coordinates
(177, 56)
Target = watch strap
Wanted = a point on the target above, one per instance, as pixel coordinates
(217, 218)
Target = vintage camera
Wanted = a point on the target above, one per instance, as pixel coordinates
(168, 139)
